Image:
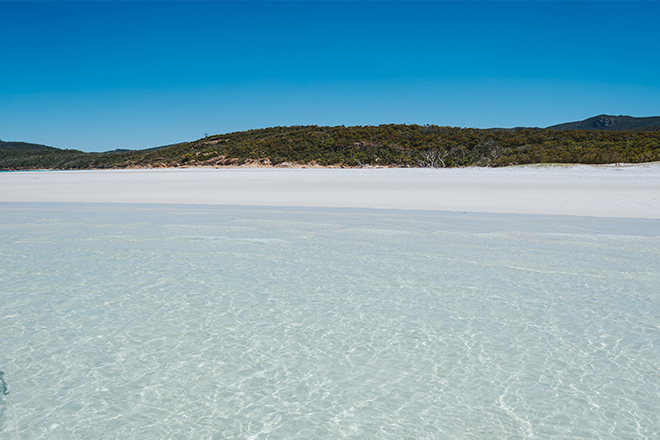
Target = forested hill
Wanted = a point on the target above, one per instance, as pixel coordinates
(4, 145)
(616, 123)
(383, 145)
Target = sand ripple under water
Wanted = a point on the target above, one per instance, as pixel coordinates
(166, 322)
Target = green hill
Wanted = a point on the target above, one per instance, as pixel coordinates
(384, 145)
(4, 145)
(615, 123)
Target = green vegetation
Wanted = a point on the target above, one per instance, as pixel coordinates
(23, 146)
(610, 122)
(384, 145)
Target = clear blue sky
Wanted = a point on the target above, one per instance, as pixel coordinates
(97, 76)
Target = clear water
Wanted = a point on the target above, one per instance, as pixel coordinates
(166, 322)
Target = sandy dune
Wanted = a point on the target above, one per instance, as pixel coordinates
(602, 191)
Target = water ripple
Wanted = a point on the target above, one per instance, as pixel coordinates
(253, 324)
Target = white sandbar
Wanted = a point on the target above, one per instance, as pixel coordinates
(601, 191)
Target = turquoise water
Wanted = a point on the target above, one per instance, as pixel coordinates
(173, 322)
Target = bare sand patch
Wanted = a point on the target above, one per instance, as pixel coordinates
(578, 190)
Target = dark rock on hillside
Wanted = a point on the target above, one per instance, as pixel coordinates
(613, 123)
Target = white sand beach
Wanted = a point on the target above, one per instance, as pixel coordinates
(226, 297)
(628, 191)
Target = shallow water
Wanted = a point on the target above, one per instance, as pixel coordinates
(173, 322)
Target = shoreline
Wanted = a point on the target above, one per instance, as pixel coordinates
(292, 165)
(616, 191)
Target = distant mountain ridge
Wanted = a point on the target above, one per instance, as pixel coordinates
(17, 145)
(12, 145)
(612, 123)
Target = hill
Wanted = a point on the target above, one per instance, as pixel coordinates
(392, 145)
(615, 123)
(4, 145)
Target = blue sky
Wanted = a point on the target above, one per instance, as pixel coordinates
(96, 76)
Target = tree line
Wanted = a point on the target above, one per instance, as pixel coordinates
(384, 145)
